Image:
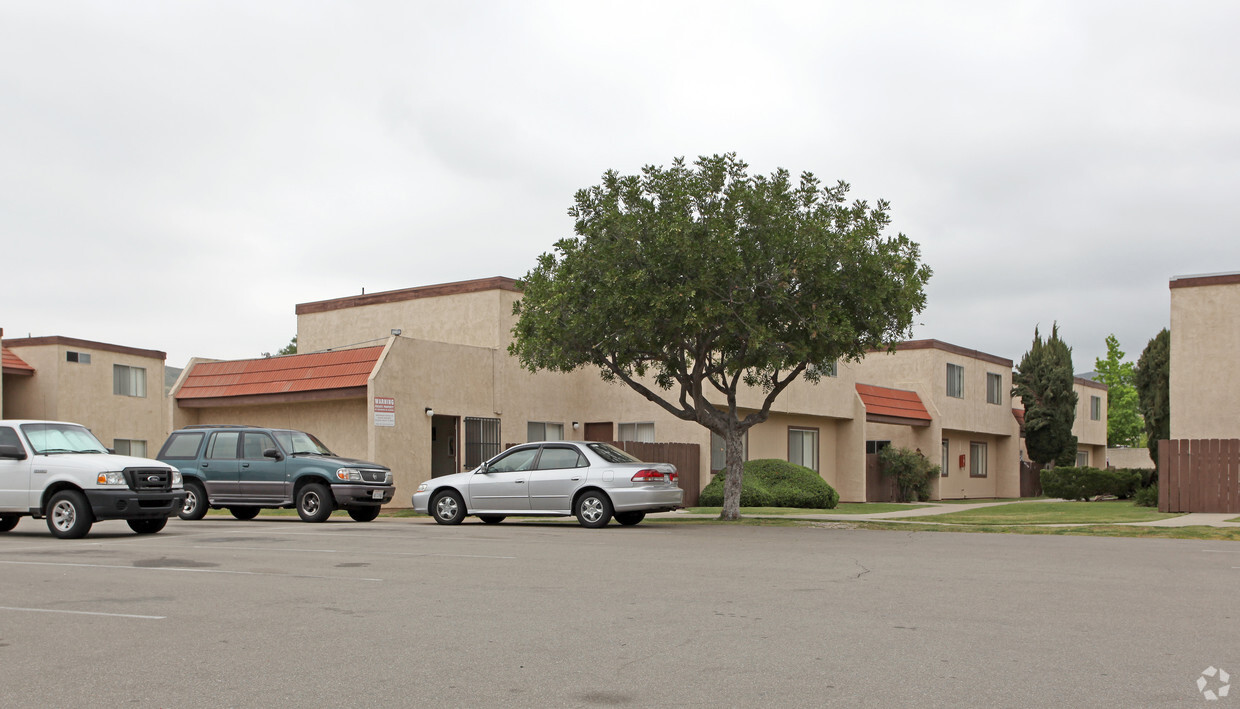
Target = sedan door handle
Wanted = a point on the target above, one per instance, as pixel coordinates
(575, 479)
(518, 481)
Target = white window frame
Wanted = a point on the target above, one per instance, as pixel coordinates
(547, 428)
(958, 380)
(946, 457)
(1082, 458)
(638, 431)
(126, 446)
(796, 453)
(977, 459)
(1095, 408)
(994, 385)
(718, 453)
(133, 383)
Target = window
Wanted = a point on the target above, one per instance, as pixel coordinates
(124, 446)
(977, 460)
(182, 445)
(79, 357)
(223, 446)
(536, 431)
(803, 447)
(873, 447)
(8, 437)
(1095, 408)
(128, 381)
(253, 444)
(481, 440)
(520, 459)
(830, 370)
(946, 457)
(640, 432)
(555, 458)
(1082, 458)
(718, 456)
(994, 388)
(955, 381)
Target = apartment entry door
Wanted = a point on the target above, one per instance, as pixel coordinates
(599, 432)
(445, 445)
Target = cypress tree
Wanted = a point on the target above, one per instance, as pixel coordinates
(1043, 381)
(1153, 382)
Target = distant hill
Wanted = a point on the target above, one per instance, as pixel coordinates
(170, 377)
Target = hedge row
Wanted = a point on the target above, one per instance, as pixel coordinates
(1087, 483)
(771, 482)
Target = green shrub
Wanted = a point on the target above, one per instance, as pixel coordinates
(1087, 483)
(1147, 496)
(912, 471)
(774, 483)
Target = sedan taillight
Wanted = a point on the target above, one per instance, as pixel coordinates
(649, 476)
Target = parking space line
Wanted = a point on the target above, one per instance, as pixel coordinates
(110, 615)
(1221, 551)
(178, 568)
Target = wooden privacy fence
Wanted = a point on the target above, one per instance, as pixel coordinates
(879, 487)
(1199, 475)
(685, 456)
(1030, 479)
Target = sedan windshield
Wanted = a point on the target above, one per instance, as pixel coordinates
(300, 442)
(48, 438)
(612, 454)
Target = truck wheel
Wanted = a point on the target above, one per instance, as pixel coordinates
(244, 513)
(8, 522)
(195, 501)
(364, 514)
(314, 503)
(147, 526)
(69, 515)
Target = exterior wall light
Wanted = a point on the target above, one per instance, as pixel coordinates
(430, 411)
(576, 425)
(396, 332)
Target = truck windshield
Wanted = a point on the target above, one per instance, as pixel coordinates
(61, 438)
(300, 442)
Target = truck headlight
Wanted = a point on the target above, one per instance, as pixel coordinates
(349, 475)
(117, 478)
(176, 478)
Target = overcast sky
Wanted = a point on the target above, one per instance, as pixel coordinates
(178, 176)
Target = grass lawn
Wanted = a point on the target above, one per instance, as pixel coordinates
(1103, 512)
(976, 500)
(1101, 530)
(844, 508)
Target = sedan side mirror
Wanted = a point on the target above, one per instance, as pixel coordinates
(12, 452)
(273, 453)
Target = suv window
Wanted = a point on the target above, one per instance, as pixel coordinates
(182, 445)
(253, 445)
(553, 458)
(223, 446)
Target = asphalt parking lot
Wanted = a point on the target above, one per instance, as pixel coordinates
(403, 612)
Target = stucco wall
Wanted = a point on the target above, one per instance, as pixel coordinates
(1205, 340)
(1129, 458)
(340, 424)
(82, 393)
(465, 318)
(1090, 434)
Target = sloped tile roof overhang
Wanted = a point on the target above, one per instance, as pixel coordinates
(341, 374)
(14, 364)
(883, 405)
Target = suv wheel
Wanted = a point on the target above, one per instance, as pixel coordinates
(195, 501)
(244, 513)
(448, 508)
(314, 503)
(364, 514)
(8, 522)
(593, 509)
(69, 515)
(147, 526)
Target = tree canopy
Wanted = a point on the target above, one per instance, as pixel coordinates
(1124, 422)
(688, 283)
(1043, 381)
(290, 348)
(1153, 382)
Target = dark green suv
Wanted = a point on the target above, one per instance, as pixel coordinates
(247, 468)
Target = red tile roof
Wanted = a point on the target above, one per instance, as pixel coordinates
(1019, 414)
(892, 403)
(279, 375)
(14, 364)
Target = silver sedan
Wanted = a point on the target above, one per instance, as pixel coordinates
(594, 481)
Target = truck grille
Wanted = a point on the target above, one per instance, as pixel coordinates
(148, 478)
(374, 476)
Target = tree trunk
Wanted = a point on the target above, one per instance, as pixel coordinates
(734, 456)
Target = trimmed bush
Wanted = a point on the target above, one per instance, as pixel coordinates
(912, 471)
(770, 482)
(1087, 483)
(1147, 496)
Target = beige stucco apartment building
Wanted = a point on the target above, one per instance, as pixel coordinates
(420, 379)
(114, 390)
(1205, 340)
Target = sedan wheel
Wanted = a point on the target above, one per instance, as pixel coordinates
(448, 508)
(629, 519)
(593, 510)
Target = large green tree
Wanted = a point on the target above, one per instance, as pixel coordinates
(1124, 423)
(693, 284)
(1153, 382)
(290, 348)
(1043, 381)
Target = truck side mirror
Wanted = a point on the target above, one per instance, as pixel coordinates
(12, 452)
(273, 453)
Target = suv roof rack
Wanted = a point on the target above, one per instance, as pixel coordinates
(219, 425)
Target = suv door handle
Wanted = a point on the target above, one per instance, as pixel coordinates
(245, 465)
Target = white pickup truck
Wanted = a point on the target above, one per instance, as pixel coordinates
(62, 472)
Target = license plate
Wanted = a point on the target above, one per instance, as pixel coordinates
(377, 494)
